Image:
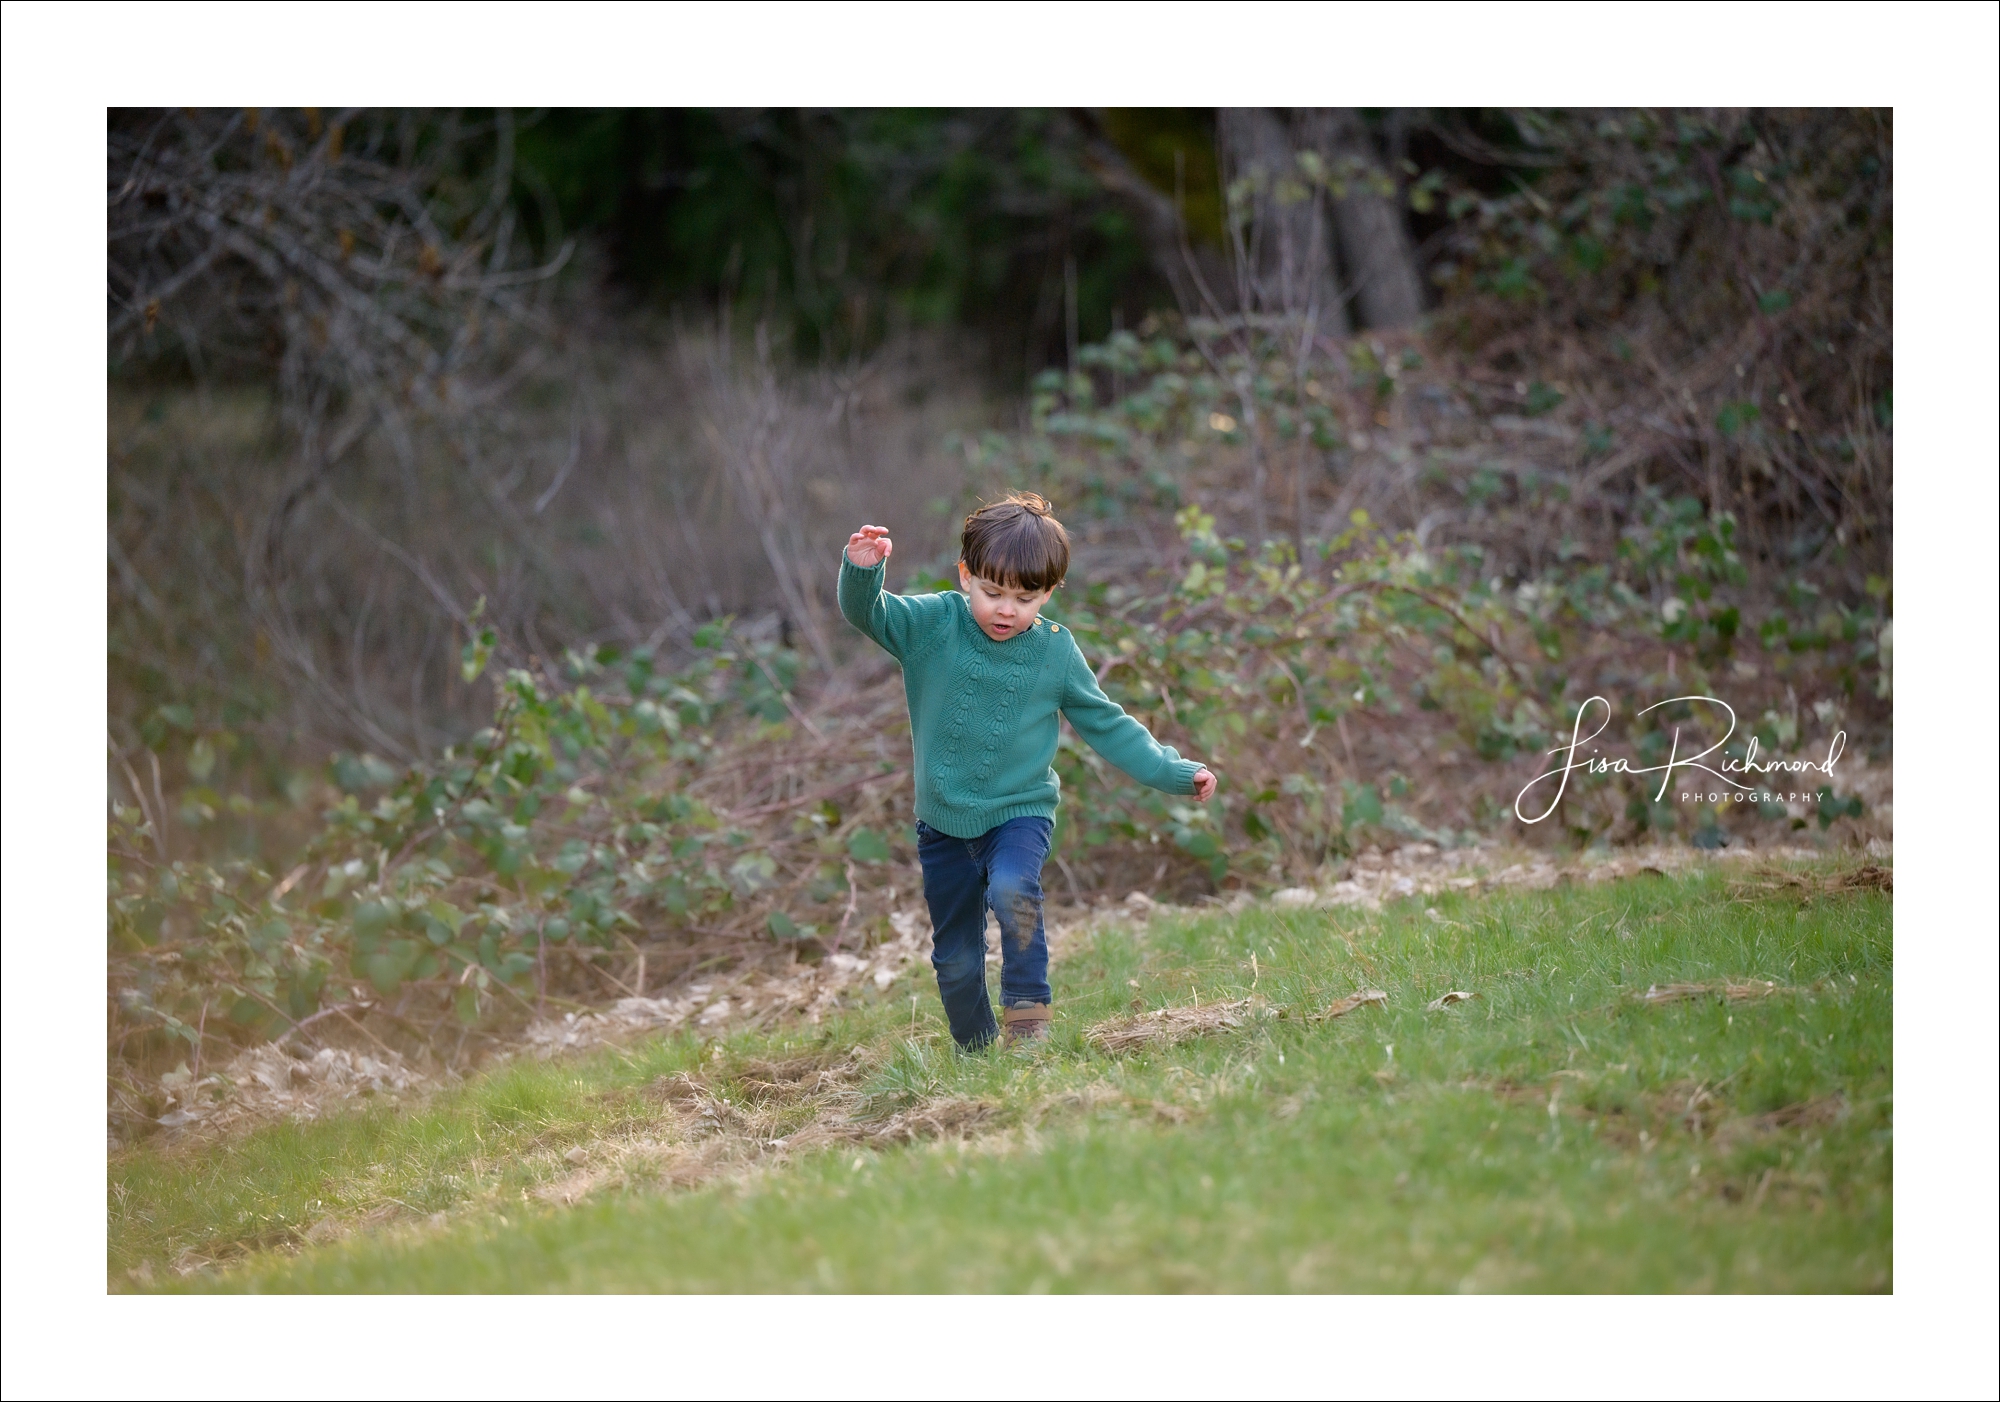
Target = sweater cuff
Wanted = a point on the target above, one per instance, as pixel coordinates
(1184, 771)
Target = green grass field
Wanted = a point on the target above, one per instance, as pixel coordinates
(1554, 1133)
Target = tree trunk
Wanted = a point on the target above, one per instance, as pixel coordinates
(1375, 244)
(1285, 258)
(1283, 251)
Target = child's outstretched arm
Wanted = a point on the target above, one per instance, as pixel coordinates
(901, 625)
(1106, 727)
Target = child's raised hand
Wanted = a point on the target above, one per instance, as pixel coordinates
(1204, 785)
(869, 546)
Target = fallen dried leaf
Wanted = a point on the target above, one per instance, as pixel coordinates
(1445, 1000)
(1341, 1007)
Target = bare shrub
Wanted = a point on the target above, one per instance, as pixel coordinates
(663, 483)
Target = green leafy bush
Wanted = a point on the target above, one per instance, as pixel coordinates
(564, 825)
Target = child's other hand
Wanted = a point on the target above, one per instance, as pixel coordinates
(1204, 785)
(869, 546)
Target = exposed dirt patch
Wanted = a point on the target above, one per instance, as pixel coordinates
(753, 998)
(1422, 869)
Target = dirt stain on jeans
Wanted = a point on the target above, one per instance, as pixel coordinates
(1024, 913)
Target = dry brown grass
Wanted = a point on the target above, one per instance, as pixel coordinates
(758, 1115)
(761, 1115)
(1166, 1027)
(1686, 1110)
(1804, 1115)
(1806, 885)
(1661, 993)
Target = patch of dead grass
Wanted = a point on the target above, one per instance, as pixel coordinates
(1809, 884)
(1804, 1115)
(1166, 1027)
(1695, 1110)
(703, 1137)
(739, 1120)
(1728, 990)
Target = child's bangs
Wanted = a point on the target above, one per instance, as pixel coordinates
(1022, 558)
(1017, 543)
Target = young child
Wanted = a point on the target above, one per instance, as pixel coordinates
(985, 677)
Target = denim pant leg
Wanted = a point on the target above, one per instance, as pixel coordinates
(955, 891)
(1013, 857)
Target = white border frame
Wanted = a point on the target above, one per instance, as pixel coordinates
(1935, 64)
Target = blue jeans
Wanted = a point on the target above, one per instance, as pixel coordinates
(963, 877)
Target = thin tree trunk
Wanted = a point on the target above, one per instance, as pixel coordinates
(1375, 245)
(1287, 250)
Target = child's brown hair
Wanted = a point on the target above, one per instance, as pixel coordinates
(1016, 541)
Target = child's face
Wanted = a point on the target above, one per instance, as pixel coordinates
(1002, 611)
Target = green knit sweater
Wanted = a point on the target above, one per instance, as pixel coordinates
(983, 714)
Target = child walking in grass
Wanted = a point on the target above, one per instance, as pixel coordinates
(986, 677)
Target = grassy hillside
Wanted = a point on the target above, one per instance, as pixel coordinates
(1559, 1130)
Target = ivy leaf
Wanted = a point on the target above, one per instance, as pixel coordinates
(385, 971)
(1736, 416)
(868, 845)
(783, 927)
(753, 871)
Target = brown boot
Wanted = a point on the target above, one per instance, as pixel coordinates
(1025, 1024)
